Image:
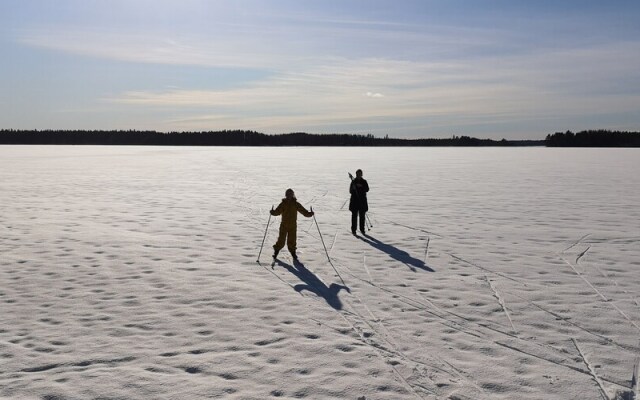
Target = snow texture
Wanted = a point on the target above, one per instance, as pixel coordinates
(131, 273)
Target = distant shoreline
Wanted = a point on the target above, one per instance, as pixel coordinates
(599, 138)
(238, 138)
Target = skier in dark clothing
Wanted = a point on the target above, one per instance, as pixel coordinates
(358, 203)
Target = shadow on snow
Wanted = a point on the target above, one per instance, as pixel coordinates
(396, 254)
(313, 284)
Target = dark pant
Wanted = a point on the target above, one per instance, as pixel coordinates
(354, 220)
(289, 234)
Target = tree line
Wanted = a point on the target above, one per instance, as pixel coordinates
(594, 138)
(233, 138)
(589, 138)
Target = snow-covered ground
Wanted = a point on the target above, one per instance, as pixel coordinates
(490, 273)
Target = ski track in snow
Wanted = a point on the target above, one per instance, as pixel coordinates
(592, 371)
(456, 325)
(364, 264)
(501, 301)
(123, 277)
(602, 296)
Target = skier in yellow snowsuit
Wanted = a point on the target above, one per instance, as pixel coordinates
(289, 209)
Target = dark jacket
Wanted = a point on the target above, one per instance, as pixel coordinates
(289, 208)
(358, 189)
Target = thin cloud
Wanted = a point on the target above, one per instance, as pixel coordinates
(330, 96)
(374, 95)
(165, 49)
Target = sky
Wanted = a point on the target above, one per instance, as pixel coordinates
(484, 68)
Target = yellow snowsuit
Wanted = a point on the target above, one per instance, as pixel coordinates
(289, 209)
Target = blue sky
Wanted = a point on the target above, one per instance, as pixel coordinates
(512, 69)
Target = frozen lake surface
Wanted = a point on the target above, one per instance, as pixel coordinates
(490, 273)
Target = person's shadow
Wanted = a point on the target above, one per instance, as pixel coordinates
(397, 254)
(313, 284)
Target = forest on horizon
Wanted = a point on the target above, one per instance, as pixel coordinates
(591, 138)
(594, 138)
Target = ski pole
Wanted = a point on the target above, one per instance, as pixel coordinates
(325, 249)
(265, 236)
(321, 239)
(366, 220)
